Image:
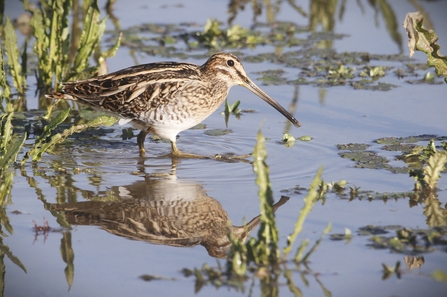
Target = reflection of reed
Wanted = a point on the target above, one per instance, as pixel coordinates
(167, 212)
(436, 215)
(414, 261)
(272, 8)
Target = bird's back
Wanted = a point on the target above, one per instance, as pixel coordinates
(129, 91)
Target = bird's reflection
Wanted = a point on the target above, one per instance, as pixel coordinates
(163, 211)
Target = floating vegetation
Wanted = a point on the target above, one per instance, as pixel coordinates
(353, 146)
(412, 154)
(366, 85)
(399, 140)
(408, 241)
(439, 275)
(231, 109)
(366, 159)
(233, 37)
(373, 71)
(389, 271)
(288, 140)
(305, 138)
(272, 77)
(402, 240)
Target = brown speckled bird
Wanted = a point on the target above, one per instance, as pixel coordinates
(165, 98)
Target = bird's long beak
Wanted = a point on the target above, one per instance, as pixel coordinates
(255, 89)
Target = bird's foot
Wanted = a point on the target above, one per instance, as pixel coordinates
(181, 154)
(233, 158)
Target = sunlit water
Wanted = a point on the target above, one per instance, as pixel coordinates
(109, 265)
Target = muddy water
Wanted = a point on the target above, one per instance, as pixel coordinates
(108, 257)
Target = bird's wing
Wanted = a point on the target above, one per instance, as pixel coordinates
(133, 90)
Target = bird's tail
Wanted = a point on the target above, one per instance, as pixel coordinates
(60, 95)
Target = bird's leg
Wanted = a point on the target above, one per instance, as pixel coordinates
(140, 141)
(175, 151)
(179, 154)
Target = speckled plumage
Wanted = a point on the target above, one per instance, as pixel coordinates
(165, 98)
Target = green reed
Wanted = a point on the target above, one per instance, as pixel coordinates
(52, 42)
(264, 250)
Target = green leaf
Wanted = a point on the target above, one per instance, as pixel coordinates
(60, 137)
(396, 244)
(5, 90)
(90, 37)
(12, 151)
(309, 202)
(424, 40)
(112, 50)
(50, 24)
(341, 184)
(348, 232)
(41, 45)
(268, 233)
(377, 71)
(234, 107)
(389, 271)
(12, 52)
(6, 251)
(8, 149)
(435, 164)
(305, 138)
(434, 211)
(35, 152)
(56, 121)
(7, 177)
(67, 254)
(288, 140)
(5, 130)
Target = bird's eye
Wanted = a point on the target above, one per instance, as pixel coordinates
(230, 63)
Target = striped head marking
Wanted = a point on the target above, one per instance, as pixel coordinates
(228, 68)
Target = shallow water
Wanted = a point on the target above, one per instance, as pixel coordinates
(108, 168)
